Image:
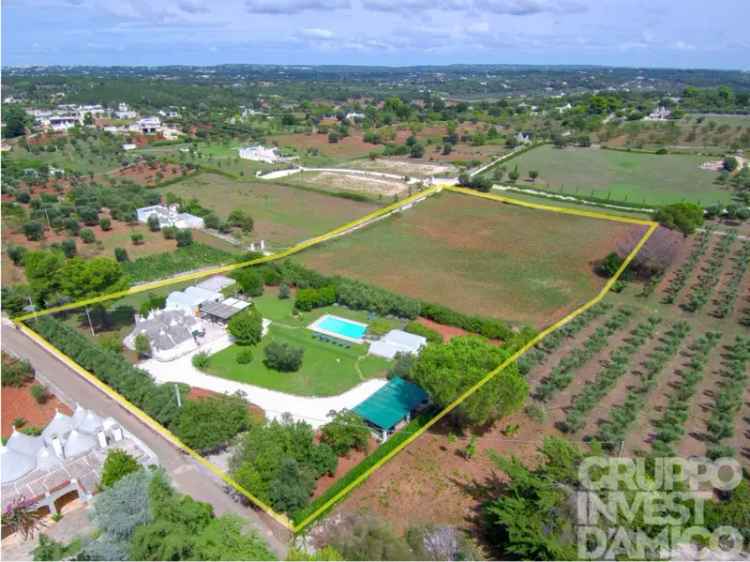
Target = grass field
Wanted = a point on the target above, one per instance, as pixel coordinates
(478, 257)
(326, 369)
(223, 156)
(283, 215)
(621, 176)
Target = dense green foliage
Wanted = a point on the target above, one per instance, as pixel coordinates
(282, 356)
(207, 423)
(246, 327)
(685, 217)
(280, 462)
(418, 329)
(117, 465)
(16, 372)
(530, 519)
(141, 517)
(445, 371)
(346, 431)
(187, 258)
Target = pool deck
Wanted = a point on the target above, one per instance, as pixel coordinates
(315, 327)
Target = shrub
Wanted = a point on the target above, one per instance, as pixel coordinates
(284, 291)
(117, 465)
(245, 356)
(418, 329)
(72, 226)
(105, 223)
(121, 255)
(378, 327)
(346, 431)
(310, 298)
(684, 217)
(33, 230)
(184, 237)
(609, 265)
(536, 412)
(88, 215)
(283, 356)
(153, 223)
(169, 232)
(246, 327)
(241, 219)
(111, 343)
(142, 345)
(16, 373)
(250, 281)
(207, 423)
(200, 360)
(23, 197)
(16, 254)
(136, 238)
(87, 235)
(39, 392)
(69, 247)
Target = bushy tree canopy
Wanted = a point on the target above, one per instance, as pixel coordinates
(446, 370)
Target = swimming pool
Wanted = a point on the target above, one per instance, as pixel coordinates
(339, 327)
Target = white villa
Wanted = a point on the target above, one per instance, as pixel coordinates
(260, 153)
(65, 461)
(191, 299)
(661, 113)
(148, 125)
(171, 332)
(169, 216)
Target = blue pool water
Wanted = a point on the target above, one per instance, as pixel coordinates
(342, 327)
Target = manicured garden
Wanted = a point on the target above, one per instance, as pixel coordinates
(648, 179)
(327, 369)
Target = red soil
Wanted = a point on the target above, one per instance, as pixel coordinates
(18, 403)
(146, 175)
(346, 463)
(256, 412)
(448, 332)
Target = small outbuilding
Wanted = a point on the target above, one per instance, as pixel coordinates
(397, 341)
(222, 311)
(391, 407)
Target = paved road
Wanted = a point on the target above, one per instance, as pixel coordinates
(188, 475)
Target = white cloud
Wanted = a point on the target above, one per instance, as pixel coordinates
(683, 46)
(317, 33)
(294, 6)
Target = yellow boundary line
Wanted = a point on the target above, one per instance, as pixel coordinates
(281, 518)
(381, 212)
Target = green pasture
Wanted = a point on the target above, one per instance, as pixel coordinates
(621, 176)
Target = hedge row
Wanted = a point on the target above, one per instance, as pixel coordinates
(157, 400)
(368, 462)
(361, 296)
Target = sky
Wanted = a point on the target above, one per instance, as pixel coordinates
(635, 33)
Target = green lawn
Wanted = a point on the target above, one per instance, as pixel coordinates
(621, 176)
(327, 369)
(283, 215)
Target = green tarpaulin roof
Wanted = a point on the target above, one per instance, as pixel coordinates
(391, 403)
